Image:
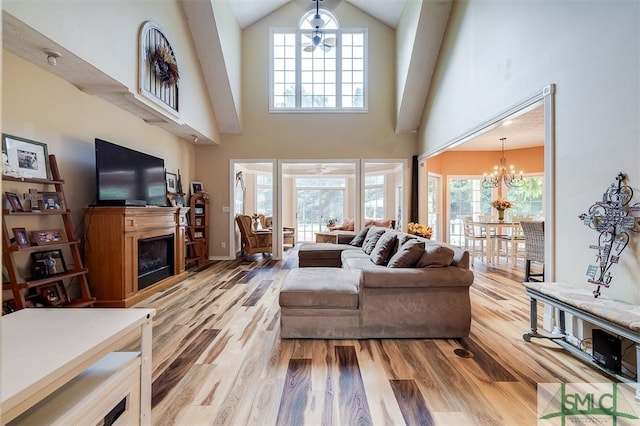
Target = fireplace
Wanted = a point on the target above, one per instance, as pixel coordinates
(155, 260)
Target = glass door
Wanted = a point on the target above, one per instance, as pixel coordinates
(466, 197)
(315, 207)
(434, 204)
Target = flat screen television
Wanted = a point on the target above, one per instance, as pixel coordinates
(126, 177)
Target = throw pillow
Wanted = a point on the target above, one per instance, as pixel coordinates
(372, 238)
(408, 254)
(359, 238)
(435, 256)
(383, 248)
(403, 238)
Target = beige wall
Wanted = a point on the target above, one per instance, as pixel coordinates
(39, 106)
(497, 53)
(304, 135)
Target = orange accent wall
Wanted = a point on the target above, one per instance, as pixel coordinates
(474, 163)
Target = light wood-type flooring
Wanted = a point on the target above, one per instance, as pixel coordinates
(218, 359)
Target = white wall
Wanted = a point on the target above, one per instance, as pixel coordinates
(497, 53)
(105, 34)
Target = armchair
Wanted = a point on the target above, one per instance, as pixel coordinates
(253, 241)
(289, 234)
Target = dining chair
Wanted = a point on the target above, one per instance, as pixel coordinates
(534, 248)
(514, 242)
(473, 238)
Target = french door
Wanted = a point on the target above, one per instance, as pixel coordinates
(315, 207)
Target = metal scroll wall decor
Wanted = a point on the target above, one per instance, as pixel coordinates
(613, 218)
(159, 72)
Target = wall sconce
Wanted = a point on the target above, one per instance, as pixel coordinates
(52, 57)
(195, 139)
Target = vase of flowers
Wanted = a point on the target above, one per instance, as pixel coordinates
(501, 205)
(419, 230)
(256, 220)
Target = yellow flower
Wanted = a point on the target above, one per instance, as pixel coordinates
(501, 204)
(419, 229)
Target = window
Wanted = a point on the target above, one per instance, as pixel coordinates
(374, 197)
(467, 197)
(528, 200)
(318, 200)
(318, 70)
(264, 194)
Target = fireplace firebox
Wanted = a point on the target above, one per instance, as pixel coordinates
(155, 260)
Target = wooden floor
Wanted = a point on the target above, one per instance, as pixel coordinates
(218, 359)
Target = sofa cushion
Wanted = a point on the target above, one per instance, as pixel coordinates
(407, 255)
(403, 238)
(358, 240)
(320, 288)
(435, 256)
(372, 238)
(384, 248)
(322, 254)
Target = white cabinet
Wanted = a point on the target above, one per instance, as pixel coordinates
(63, 365)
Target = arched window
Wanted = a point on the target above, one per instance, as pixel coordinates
(318, 68)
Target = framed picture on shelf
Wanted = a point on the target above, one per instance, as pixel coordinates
(8, 306)
(172, 182)
(27, 157)
(47, 263)
(20, 235)
(198, 221)
(198, 234)
(196, 187)
(14, 202)
(50, 236)
(51, 201)
(198, 210)
(53, 294)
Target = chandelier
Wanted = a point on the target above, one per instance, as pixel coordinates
(501, 173)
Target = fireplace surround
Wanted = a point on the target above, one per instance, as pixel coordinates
(115, 237)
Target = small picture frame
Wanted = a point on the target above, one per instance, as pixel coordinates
(9, 306)
(172, 182)
(196, 187)
(47, 263)
(53, 294)
(29, 158)
(198, 234)
(20, 234)
(51, 202)
(198, 221)
(198, 210)
(49, 236)
(14, 201)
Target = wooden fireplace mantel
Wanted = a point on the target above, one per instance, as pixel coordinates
(111, 250)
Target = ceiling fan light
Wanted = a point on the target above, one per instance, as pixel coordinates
(316, 39)
(317, 22)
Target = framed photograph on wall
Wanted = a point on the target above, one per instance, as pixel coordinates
(196, 187)
(172, 183)
(14, 202)
(30, 158)
(51, 201)
(49, 236)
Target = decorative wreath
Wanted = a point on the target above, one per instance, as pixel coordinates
(163, 65)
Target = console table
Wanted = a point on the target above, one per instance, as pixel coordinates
(61, 364)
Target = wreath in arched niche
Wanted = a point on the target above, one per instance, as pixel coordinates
(159, 71)
(163, 65)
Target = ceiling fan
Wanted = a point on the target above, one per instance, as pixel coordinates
(317, 36)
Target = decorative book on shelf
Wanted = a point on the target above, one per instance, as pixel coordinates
(41, 264)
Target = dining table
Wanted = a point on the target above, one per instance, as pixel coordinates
(491, 229)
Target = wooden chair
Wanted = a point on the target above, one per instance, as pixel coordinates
(534, 248)
(253, 242)
(289, 232)
(514, 242)
(473, 238)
